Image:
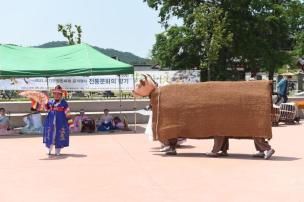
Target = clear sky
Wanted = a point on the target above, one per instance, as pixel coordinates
(125, 25)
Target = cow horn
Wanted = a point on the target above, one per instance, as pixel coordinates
(152, 79)
(146, 78)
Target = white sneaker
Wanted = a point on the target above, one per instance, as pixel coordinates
(259, 155)
(223, 153)
(165, 149)
(212, 154)
(171, 151)
(57, 152)
(269, 153)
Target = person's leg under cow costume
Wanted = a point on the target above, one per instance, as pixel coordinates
(220, 147)
(263, 147)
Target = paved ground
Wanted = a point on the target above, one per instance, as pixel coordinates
(127, 167)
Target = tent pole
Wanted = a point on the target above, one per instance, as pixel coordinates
(47, 84)
(134, 104)
(119, 95)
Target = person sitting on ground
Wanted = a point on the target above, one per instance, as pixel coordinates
(78, 120)
(105, 122)
(88, 126)
(33, 123)
(5, 127)
(119, 124)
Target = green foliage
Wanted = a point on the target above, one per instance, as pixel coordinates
(209, 25)
(175, 48)
(271, 26)
(196, 44)
(299, 44)
(179, 8)
(261, 34)
(69, 33)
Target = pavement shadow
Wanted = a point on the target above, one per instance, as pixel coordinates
(64, 156)
(231, 156)
(15, 136)
(156, 149)
(282, 125)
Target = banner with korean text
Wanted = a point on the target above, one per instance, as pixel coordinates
(99, 83)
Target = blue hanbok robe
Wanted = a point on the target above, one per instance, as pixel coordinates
(56, 126)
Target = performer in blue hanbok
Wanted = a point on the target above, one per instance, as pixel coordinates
(58, 121)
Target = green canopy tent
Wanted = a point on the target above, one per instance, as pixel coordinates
(75, 60)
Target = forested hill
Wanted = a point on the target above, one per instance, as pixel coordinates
(126, 57)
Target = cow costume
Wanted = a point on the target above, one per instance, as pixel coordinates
(207, 110)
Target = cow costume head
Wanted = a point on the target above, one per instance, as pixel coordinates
(144, 87)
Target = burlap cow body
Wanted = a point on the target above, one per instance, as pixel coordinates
(204, 110)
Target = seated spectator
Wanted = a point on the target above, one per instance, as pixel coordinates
(88, 126)
(78, 121)
(105, 122)
(119, 124)
(5, 128)
(33, 123)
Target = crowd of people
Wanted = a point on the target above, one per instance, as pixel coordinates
(82, 123)
(33, 123)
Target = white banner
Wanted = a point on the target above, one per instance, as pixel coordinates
(165, 77)
(99, 83)
(23, 84)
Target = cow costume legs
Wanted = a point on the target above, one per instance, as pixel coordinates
(170, 147)
(263, 147)
(220, 147)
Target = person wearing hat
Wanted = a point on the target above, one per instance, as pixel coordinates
(58, 122)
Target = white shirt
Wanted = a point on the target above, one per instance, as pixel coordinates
(36, 120)
(106, 118)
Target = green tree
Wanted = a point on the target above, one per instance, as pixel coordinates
(272, 35)
(194, 45)
(296, 22)
(299, 44)
(256, 32)
(174, 48)
(209, 25)
(69, 33)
